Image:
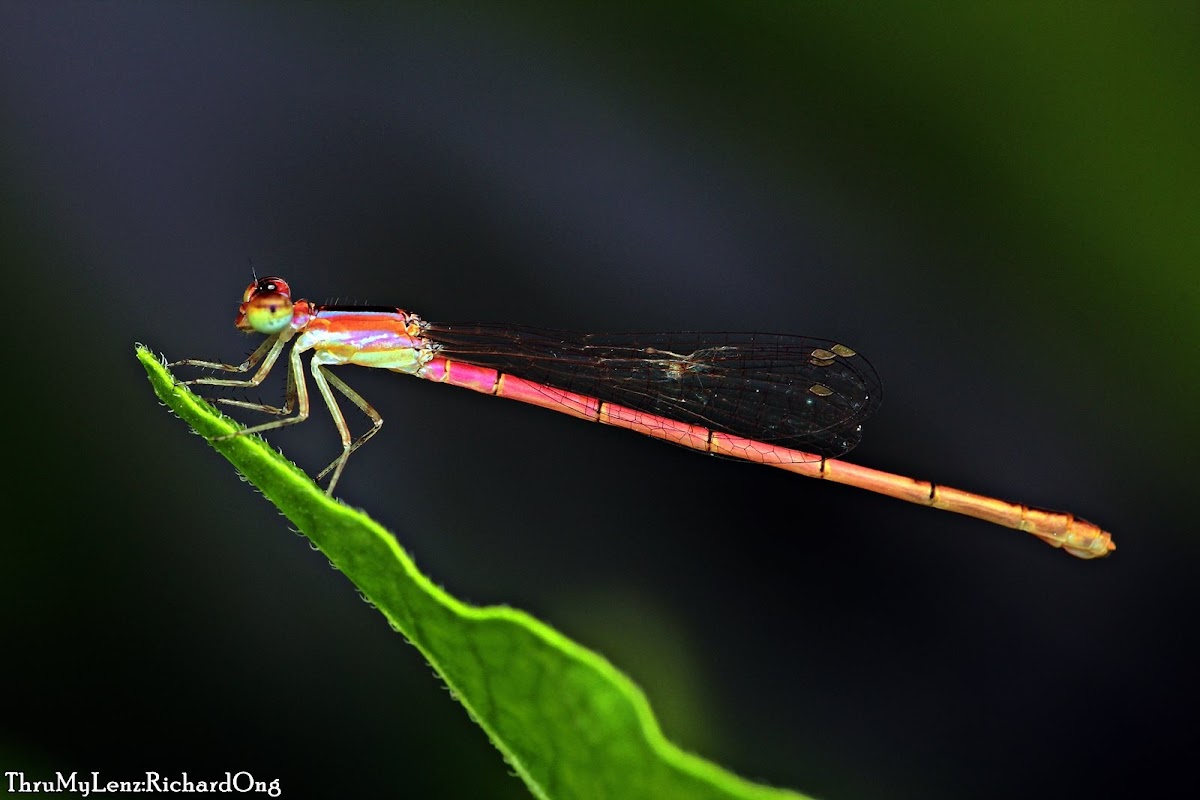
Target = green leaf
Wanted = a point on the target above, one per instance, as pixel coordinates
(569, 723)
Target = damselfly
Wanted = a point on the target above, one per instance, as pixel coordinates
(792, 402)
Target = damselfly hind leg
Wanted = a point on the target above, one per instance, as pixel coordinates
(326, 381)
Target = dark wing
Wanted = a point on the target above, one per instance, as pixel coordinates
(796, 391)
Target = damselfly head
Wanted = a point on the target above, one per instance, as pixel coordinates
(266, 306)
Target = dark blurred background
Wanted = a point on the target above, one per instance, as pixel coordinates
(998, 204)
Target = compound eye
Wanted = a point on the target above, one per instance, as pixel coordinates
(268, 312)
(266, 306)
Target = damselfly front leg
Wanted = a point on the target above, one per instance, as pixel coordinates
(271, 348)
(297, 389)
